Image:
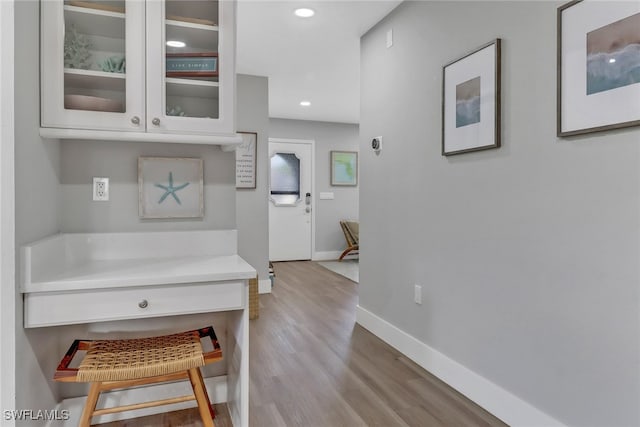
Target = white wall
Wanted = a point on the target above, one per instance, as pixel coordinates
(37, 172)
(328, 137)
(252, 215)
(527, 255)
(7, 210)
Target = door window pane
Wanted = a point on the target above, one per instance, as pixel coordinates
(285, 178)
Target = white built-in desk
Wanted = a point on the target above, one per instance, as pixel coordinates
(98, 277)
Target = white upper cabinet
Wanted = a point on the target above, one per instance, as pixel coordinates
(139, 70)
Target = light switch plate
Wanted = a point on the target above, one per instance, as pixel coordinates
(417, 294)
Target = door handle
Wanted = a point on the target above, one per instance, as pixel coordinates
(307, 199)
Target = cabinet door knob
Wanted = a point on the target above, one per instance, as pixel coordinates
(143, 304)
(156, 121)
(135, 120)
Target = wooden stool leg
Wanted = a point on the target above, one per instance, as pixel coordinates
(200, 392)
(90, 405)
(206, 394)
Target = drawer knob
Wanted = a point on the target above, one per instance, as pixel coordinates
(143, 304)
(135, 120)
(156, 121)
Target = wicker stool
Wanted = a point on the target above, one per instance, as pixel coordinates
(115, 364)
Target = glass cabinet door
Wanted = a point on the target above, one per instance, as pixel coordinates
(187, 66)
(91, 63)
(134, 65)
(94, 56)
(191, 44)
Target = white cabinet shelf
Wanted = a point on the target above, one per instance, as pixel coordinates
(226, 142)
(192, 88)
(89, 79)
(95, 21)
(191, 25)
(198, 37)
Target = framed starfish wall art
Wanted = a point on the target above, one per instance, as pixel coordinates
(170, 187)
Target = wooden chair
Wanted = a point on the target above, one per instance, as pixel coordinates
(351, 230)
(116, 364)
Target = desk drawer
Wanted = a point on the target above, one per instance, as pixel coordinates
(85, 306)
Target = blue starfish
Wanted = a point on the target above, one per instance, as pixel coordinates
(170, 189)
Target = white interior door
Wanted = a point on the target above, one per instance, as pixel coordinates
(290, 199)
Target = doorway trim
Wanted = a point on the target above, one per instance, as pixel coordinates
(312, 142)
(7, 211)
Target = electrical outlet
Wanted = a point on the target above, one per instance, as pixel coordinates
(417, 294)
(100, 189)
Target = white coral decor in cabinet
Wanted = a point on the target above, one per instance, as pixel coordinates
(103, 71)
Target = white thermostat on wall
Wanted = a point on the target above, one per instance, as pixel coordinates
(376, 144)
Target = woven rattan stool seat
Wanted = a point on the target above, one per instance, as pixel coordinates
(117, 360)
(118, 364)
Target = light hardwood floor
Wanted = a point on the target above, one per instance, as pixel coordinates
(311, 365)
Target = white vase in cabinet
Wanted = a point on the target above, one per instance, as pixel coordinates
(103, 98)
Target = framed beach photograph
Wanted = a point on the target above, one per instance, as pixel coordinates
(344, 168)
(170, 187)
(471, 101)
(246, 160)
(598, 66)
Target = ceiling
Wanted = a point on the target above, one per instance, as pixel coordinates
(313, 59)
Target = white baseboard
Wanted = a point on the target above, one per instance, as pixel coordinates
(264, 286)
(216, 388)
(498, 401)
(326, 256)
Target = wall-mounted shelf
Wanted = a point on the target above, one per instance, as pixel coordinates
(226, 142)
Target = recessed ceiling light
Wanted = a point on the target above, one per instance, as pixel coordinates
(612, 60)
(175, 43)
(305, 103)
(304, 12)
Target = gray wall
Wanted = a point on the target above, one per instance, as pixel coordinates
(252, 215)
(82, 160)
(37, 171)
(528, 255)
(328, 137)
